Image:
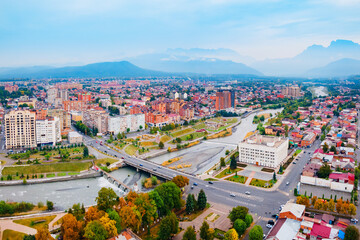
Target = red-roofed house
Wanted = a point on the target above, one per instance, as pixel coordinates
(319, 232)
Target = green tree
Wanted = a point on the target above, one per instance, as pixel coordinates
(240, 226)
(161, 145)
(171, 195)
(274, 177)
(281, 169)
(351, 233)
(106, 198)
(205, 232)
(231, 235)
(190, 205)
(238, 212)
(222, 162)
(113, 215)
(256, 233)
(324, 171)
(248, 220)
(189, 234)
(95, 231)
(168, 226)
(333, 149)
(232, 162)
(325, 148)
(202, 200)
(29, 237)
(49, 205)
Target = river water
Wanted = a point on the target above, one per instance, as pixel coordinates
(64, 194)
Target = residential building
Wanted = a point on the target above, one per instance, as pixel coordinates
(11, 88)
(64, 118)
(224, 100)
(264, 151)
(74, 105)
(291, 91)
(20, 129)
(96, 119)
(48, 131)
(122, 123)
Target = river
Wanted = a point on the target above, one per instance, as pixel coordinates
(64, 194)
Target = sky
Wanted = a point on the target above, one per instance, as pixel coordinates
(73, 32)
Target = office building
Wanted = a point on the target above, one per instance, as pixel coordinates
(264, 151)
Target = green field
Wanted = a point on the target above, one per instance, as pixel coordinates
(196, 135)
(31, 222)
(261, 183)
(48, 168)
(227, 171)
(131, 149)
(105, 160)
(13, 235)
(165, 138)
(182, 132)
(239, 179)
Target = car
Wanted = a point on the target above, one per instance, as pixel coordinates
(154, 169)
(192, 187)
(232, 195)
(269, 225)
(309, 152)
(122, 158)
(159, 167)
(274, 216)
(210, 182)
(140, 165)
(287, 183)
(354, 220)
(195, 184)
(247, 193)
(271, 222)
(115, 155)
(294, 162)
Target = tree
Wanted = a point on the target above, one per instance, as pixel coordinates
(77, 211)
(161, 145)
(168, 226)
(43, 233)
(238, 212)
(339, 205)
(201, 202)
(325, 148)
(86, 151)
(222, 162)
(274, 177)
(231, 235)
(313, 200)
(190, 205)
(351, 233)
(130, 218)
(113, 215)
(333, 149)
(92, 214)
(206, 233)
(281, 169)
(256, 233)
(109, 225)
(146, 207)
(171, 195)
(319, 204)
(95, 231)
(50, 205)
(106, 198)
(180, 181)
(29, 237)
(70, 228)
(189, 234)
(240, 226)
(232, 163)
(128, 130)
(331, 205)
(352, 209)
(248, 220)
(324, 171)
(158, 201)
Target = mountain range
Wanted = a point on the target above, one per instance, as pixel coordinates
(340, 59)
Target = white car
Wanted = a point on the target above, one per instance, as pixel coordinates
(247, 193)
(287, 183)
(269, 225)
(232, 195)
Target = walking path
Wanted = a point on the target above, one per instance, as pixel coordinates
(248, 181)
(9, 224)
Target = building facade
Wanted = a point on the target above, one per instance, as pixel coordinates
(264, 151)
(20, 129)
(224, 100)
(96, 119)
(64, 118)
(48, 131)
(122, 123)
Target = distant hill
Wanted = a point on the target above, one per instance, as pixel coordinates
(341, 68)
(103, 69)
(196, 60)
(315, 56)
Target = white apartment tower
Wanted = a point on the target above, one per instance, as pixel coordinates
(20, 129)
(48, 131)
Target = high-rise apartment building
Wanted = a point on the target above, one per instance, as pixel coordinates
(64, 118)
(96, 119)
(291, 91)
(20, 129)
(48, 131)
(224, 100)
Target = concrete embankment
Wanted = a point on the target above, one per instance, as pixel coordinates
(51, 180)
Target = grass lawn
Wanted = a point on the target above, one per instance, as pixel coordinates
(131, 149)
(73, 173)
(182, 132)
(61, 174)
(31, 222)
(148, 144)
(190, 217)
(261, 183)
(50, 175)
(199, 126)
(13, 235)
(297, 152)
(55, 167)
(238, 179)
(196, 135)
(227, 171)
(165, 138)
(105, 160)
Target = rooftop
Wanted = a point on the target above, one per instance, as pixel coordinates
(265, 140)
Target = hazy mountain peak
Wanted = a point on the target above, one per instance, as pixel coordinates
(343, 43)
